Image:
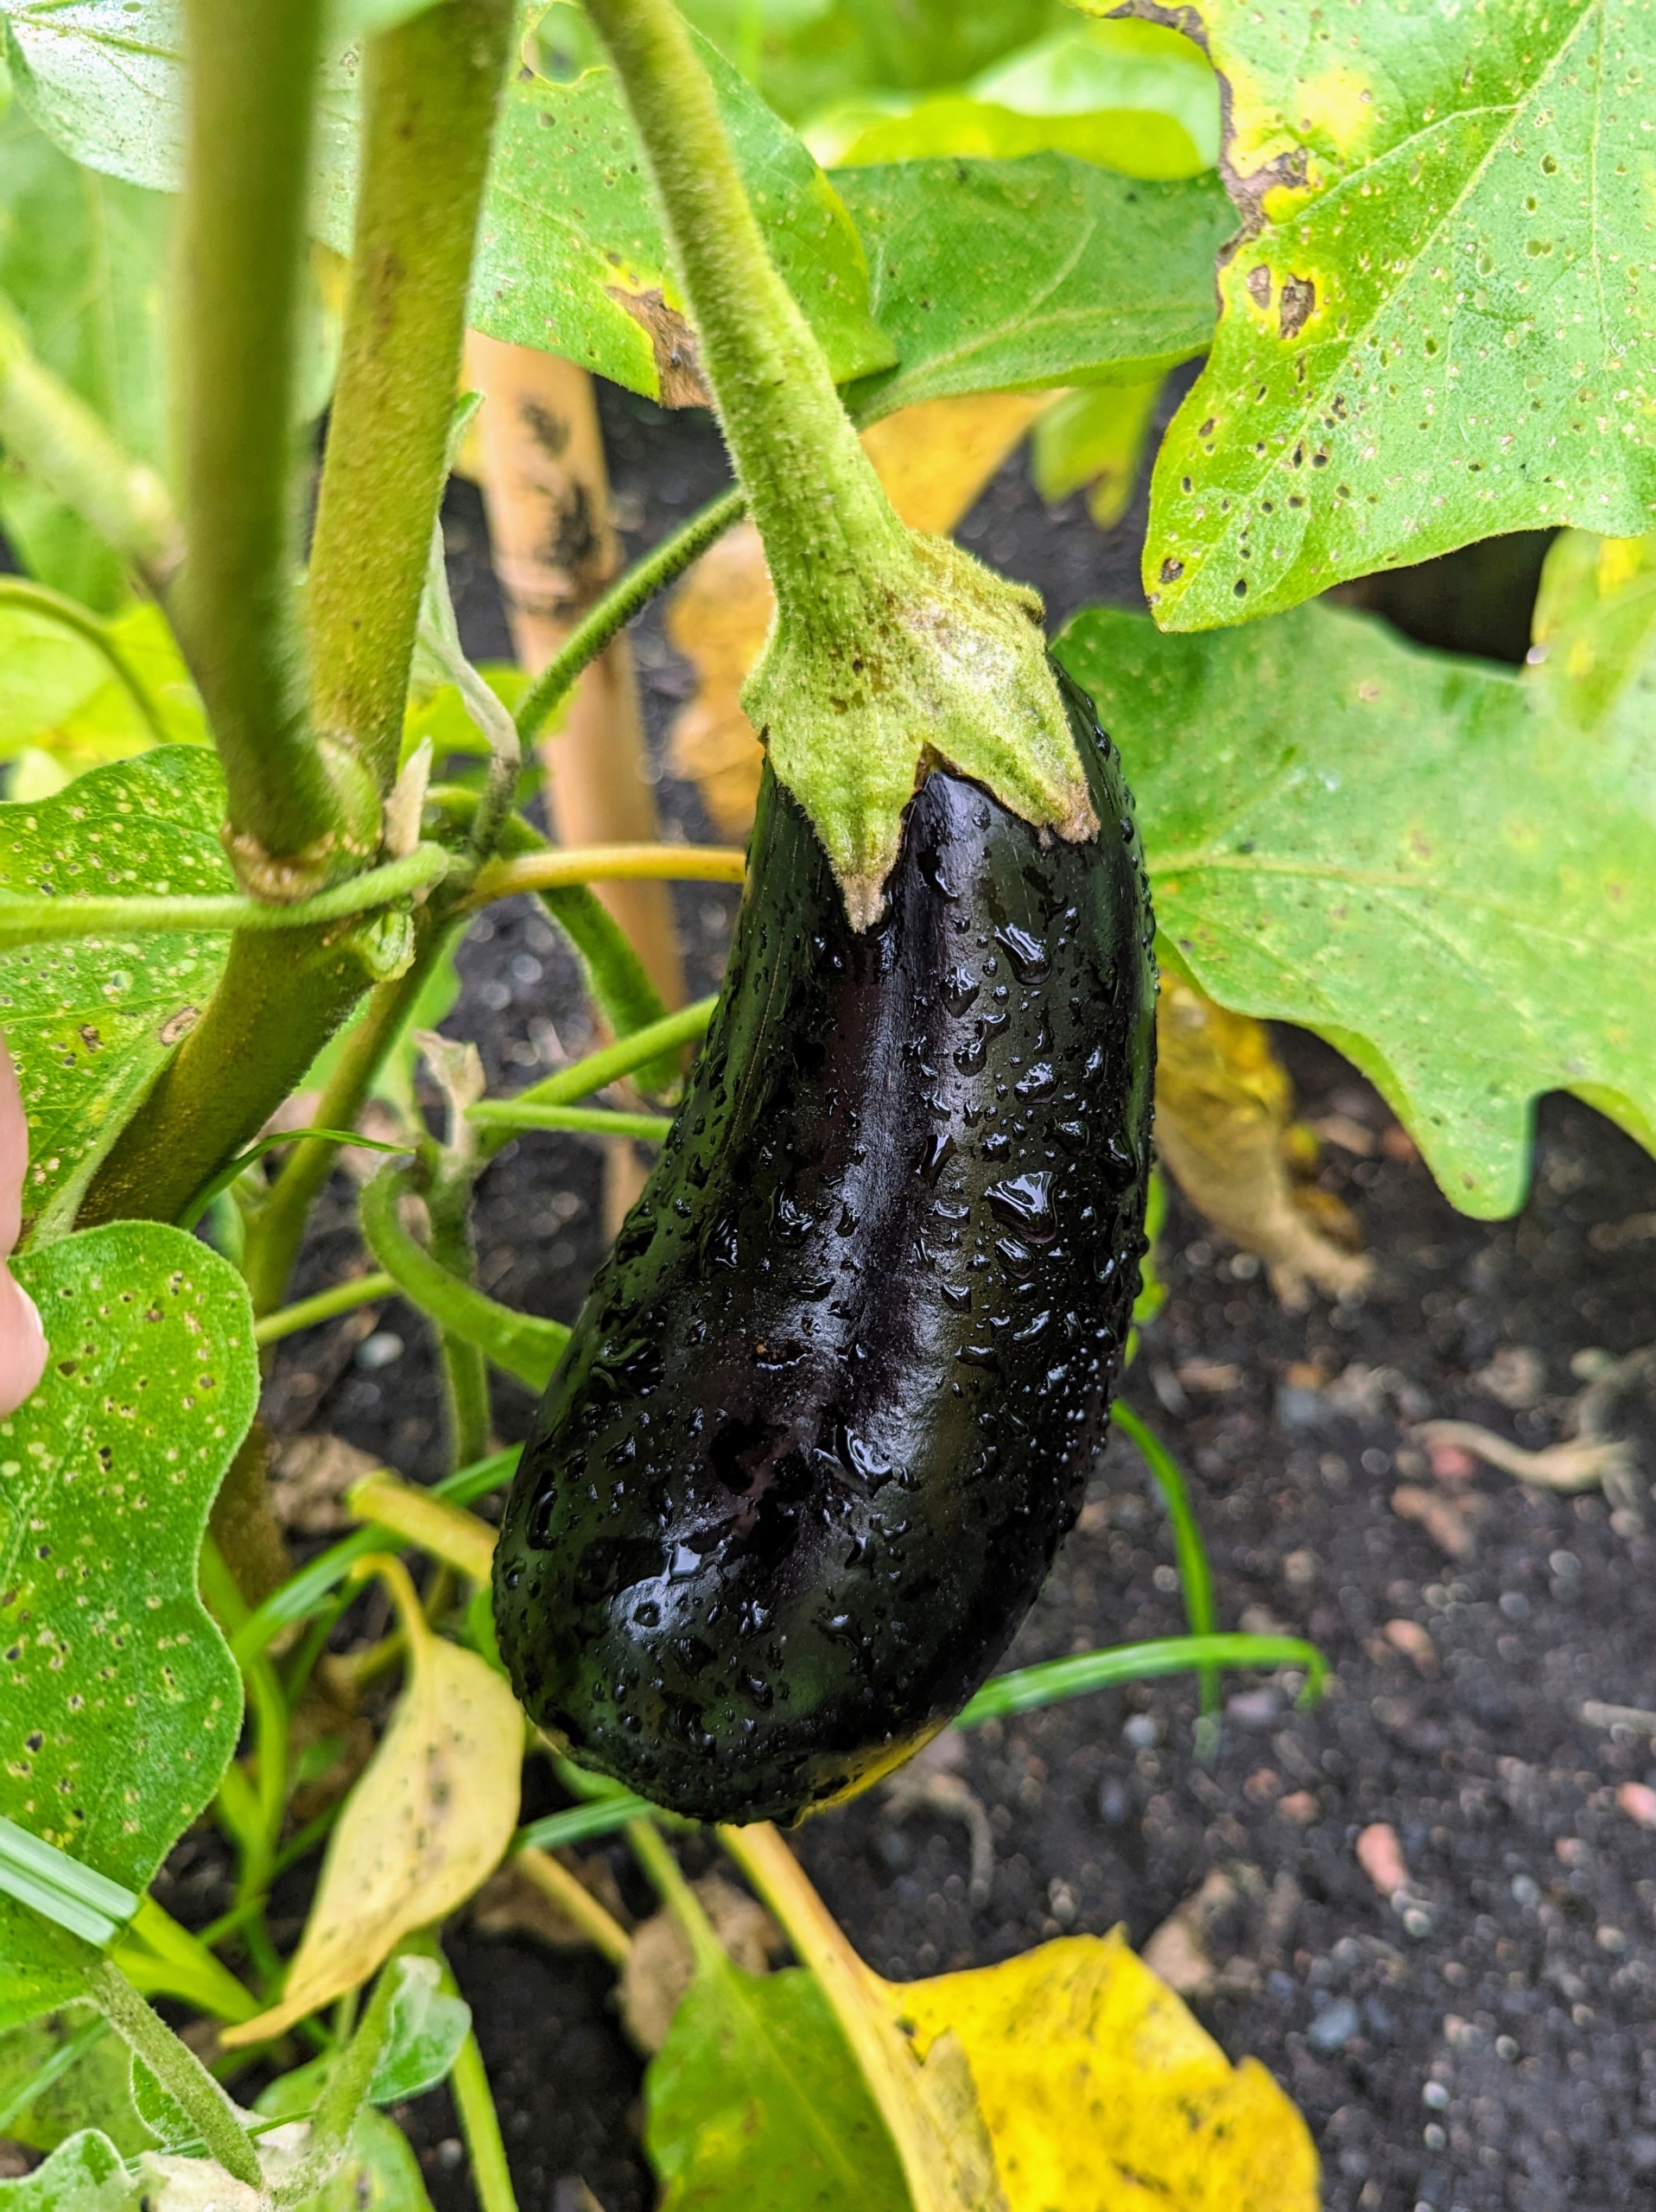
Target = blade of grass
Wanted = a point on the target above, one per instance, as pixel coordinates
(1028, 1687)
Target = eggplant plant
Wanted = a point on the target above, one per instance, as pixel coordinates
(834, 1399)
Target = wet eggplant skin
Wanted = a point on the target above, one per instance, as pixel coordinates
(833, 1398)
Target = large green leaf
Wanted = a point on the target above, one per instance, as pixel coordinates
(90, 1024)
(121, 1702)
(571, 258)
(82, 258)
(1429, 861)
(996, 276)
(755, 2099)
(1132, 97)
(1439, 324)
(58, 697)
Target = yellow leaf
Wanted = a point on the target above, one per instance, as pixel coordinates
(427, 1823)
(1102, 2094)
(1223, 1100)
(933, 459)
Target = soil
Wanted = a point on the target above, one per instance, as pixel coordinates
(1475, 2041)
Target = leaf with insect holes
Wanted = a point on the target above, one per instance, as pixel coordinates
(90, 1024)
(992, 276)
(119, 1703)
(1422, 857)
(85, 2174)
(571, 254)
(427, 1823)
(1437, 325)
(83, 259)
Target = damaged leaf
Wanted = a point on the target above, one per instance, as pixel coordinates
(1435, 325)
(1411, 853)
(1223, 1105)
(90, 1023)
(121, 1703)
(425, 1826)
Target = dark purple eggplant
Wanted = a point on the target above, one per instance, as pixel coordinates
(832, 1401)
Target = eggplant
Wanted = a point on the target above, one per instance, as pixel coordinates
(834, 1397)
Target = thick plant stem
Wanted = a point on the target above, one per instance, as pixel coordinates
(830, 533)
(432, 86)
(466, 1369)
(281, 997)
(300, 813)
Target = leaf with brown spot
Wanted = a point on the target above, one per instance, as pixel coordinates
(426, 1825)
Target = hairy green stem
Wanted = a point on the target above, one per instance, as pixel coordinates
(326, 1306)
(281, 997)
(832, 539)
(485, 2146)
(300, 813)
(179, 2072)
(56, 921)
(51, 433)
(69, 614)
(431, 88)
(466, 1369)
(523, 1347)
(596, 1072)
(276, 1229)
(660, 566)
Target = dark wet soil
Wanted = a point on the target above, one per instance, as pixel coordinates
(1478, 2041)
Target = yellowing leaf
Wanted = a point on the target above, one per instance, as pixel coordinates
(1223, 1102)
(934, 460)
(1094, 437)
(426, 1825)
(1102, 2094)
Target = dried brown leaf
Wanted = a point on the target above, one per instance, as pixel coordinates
(660, 1965)
(1224, 1102)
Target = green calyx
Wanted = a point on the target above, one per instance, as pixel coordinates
(945, 668)
(891, 654)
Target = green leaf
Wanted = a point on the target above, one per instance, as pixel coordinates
(755, 2099)
(422, 2040)
(571, 254)
(82, 258)
(1095, 438)
(58, 697)
(1412, 854)
(85, 2174)
(1438, 328)
(1135, 98)
(121, 1704)
(1002, 275)
(41, 1964)
(572, 257)
(90, 1024)
(43, 2101)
